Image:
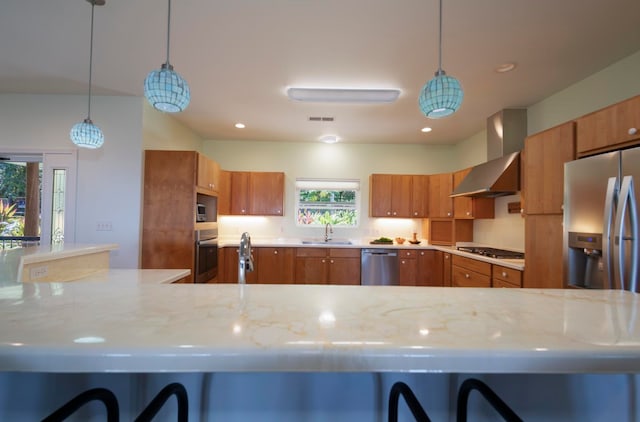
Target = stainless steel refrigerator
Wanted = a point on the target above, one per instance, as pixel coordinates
(601, 221)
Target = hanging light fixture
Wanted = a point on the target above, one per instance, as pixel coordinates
(165, 89)
(86, 134)
(442, 95)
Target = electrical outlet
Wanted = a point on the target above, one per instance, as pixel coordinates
(104, 226)
(39, 272)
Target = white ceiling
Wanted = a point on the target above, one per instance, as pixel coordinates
(239, 56)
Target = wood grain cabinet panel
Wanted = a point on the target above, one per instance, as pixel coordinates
(408, 267)
(277, 265)
(543, 266)
(208, 175)
(613, 127)
(545, 155)
(430, 268)
(440, 203)
(390, 195)
(254, 193)
(419, 196)
(266, 193)
(505, 277)
(327, 266)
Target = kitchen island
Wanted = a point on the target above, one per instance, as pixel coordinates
(234, 345)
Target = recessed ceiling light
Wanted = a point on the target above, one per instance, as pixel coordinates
(338, 95)
(240, 125)
(505, 67)
(425, 129)
(329, 139)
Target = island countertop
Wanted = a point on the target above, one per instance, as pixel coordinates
(119, 326)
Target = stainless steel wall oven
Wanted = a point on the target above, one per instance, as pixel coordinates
(206, 265)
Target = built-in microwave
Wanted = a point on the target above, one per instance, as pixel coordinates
(201, 213)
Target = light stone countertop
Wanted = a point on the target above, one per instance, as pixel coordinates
(123, 326)
(280, 242)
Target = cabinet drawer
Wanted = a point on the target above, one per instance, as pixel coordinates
(462, 277)
(344, 253)
(313, 252)
(507, 274)
(405, 253)
(497, 283)
(472, 264)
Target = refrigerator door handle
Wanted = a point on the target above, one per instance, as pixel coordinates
(626, 203)
(607, 244)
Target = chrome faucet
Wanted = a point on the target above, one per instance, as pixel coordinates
(245, 258)
(327, 230)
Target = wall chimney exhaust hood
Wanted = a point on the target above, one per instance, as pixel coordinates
(500, 176)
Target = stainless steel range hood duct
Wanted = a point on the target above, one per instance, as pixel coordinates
(506, 131)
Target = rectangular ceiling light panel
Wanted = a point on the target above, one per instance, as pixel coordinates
(322, 95)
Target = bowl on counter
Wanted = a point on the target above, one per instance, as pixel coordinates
(400, 240)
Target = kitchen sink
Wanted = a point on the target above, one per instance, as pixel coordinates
(326, 242)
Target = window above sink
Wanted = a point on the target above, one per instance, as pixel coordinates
(327, 201)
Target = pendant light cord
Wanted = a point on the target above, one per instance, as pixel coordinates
(440, 41)
(93, 6)
(168, 31)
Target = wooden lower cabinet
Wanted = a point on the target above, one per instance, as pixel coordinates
(276, 265)
(408, 267)
(228, 266)
(505, 277)
(467, 272)
(543, 259)
(327, 266)
(422, 267)
(446, 269)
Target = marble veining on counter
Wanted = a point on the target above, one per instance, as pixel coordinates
(145, 327)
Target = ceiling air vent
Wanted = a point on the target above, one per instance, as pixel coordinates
(320, 119)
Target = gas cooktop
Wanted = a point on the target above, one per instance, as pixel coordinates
(492, 252)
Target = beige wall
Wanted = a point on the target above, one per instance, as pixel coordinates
(162, 131)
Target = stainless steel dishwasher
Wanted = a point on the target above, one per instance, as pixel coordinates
(379, 267)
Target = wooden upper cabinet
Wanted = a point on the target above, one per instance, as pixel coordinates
(613, 127)
(380, 195)
(266, 193)
(419, 196)
(440, 203)
(390, 195)
(251, 193)
(239, 187)
(545, 153)
(208, 175)
(467, 207)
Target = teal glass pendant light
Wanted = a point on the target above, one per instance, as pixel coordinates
(442, 95)
(165, 89)
(85, 134)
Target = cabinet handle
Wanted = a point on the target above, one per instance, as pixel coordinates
(466, 275)
(633, 131)
(468, 213)
(415, 213)
(446, 257)
(448, 214)
(324, 260)
(331, 261)
(243, 211)
(402, 262)
(504, 274)
(388, 212)
(275, 252)
(395, 213)
(422, 253)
